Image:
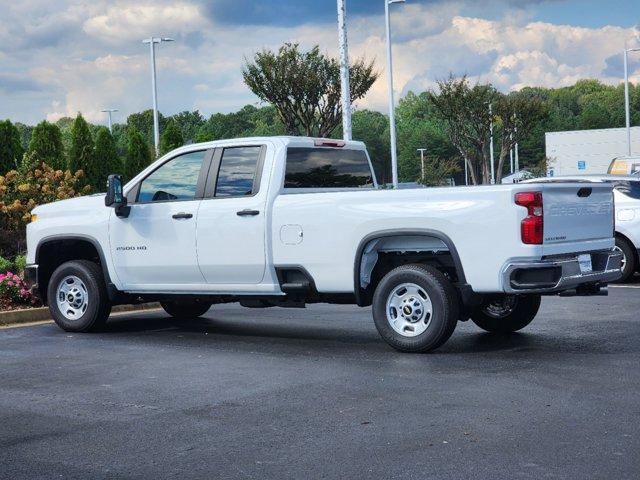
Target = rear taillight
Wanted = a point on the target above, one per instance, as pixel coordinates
(532, 228)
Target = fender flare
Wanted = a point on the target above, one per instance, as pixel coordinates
(111, 289)
(403, 232)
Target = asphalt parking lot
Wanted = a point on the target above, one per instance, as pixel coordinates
(316, 394)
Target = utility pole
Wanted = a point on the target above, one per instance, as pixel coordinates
(422, 150)
(493, 173)
(511, 152)
(627, 109)
(154, 90)
(344, 70)
(392, 113)
(109, 111)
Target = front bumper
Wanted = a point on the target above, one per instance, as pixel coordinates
(561, 273)
(31, 277)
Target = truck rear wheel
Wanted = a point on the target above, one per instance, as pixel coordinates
(628, 259)
(77, 296)
(186, 309)
(415, 308)
(507, 313)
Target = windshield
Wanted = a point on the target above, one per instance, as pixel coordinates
(629, 189)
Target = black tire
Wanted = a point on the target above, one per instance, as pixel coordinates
(185, 310)
(515, 318)
(630, 265)
(444, 303)
(98, 306)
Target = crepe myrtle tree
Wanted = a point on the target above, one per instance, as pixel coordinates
(517, 115)
(304, 86)
(464, 112)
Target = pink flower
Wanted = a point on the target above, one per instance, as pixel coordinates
(10, 283)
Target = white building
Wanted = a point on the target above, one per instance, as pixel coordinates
(581, 152)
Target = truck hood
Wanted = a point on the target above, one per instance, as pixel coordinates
(78, 205)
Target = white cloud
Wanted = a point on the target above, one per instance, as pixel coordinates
(126, 23)
(96, 59)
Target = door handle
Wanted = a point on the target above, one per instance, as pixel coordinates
(248, 213)
(182, 216)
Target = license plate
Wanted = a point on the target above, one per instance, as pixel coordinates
(585, 263)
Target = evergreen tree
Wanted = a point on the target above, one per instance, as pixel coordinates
(46, 144)
(10, 148)
(81, 149)
(104, 162)
(171, 138)
(138, 153)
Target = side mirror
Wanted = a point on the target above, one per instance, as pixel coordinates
(115, 197)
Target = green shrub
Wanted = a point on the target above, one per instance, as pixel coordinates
(20, 262)
(5, 265)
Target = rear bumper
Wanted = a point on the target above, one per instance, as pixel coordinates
(562, 273)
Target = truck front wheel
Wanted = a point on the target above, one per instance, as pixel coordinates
(77, 296)
(179, 309)
(507, 313)
(415, 308)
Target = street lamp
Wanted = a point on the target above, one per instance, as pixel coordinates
(344, 70)
(392, 114)
(109, 111)
(493, 173)
(422, 150)
(154, 90)
(627, 110)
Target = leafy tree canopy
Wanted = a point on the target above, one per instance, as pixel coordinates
(81, 151)
(105, 161)
(138, 153)
(10, 147)
(305, 87)
(46, 144)
(171, 138)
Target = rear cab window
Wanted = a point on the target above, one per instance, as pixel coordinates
(322, 168)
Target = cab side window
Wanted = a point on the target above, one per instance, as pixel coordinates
(238, 173)
(175, 180)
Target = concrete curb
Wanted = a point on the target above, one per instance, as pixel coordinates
(30, 315)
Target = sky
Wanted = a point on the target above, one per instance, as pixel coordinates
(60, 57)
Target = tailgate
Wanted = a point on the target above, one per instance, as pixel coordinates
(577, 213)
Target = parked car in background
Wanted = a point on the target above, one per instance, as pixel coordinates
(624, 166)
(626, 194)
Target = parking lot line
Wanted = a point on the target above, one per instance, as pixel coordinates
(624, 286)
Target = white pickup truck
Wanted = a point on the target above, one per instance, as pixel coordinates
(286, 221)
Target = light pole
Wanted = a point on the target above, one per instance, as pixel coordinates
(109, 111)
(422, 150)
(511, 152)
(493, 173)
(344, 70)
(392, 113)
(154, 90)
(627, 109)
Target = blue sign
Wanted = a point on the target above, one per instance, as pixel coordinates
(582, 165)
(552, 173)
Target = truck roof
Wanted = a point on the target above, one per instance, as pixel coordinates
(285, 140)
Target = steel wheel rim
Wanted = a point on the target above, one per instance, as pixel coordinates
(409, 310)
(501, 308)
(72, 297)
(623, 262)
